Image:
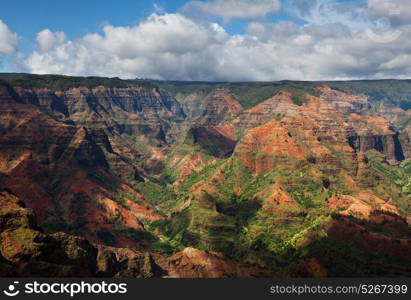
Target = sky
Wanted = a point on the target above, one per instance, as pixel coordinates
(213, 40)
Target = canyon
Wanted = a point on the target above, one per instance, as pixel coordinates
(142, 178)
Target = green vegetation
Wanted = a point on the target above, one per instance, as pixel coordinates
(403, 122)
(185, 88)
(298, 98)
(405, 182)
(249, 93)
(387, 179)
(253, 93)
(144, 236)
(272, 219)
(174, 229)
(238, 225)
(234, 224)
(156, 193)
(199, 176)
(397, 92)
(61, 82)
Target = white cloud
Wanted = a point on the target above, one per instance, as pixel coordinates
(48, 39)
(167, 46)
(8, 40)
(232, 9)
(173, 46)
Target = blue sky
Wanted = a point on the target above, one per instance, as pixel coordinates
(207, 40)
(79, 17)
(76, 17)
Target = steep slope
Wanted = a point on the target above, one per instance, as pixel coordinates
(26, 251)
(70, 173)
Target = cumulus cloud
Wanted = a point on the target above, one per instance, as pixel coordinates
(231, 9)
(8, 40)
(316, 52)
(48, 39)
(175, 47)
(167, 46)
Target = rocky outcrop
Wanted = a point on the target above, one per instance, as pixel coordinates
(387, 144)
(211, 140)
(133, 111)
(344, 102)
(276, 107)
(319, 128)
(358, 233)
(212, 109)
(194, 263)
(26, 251)
(262, 146)
(208, 126)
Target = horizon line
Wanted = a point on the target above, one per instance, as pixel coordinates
(200, 81)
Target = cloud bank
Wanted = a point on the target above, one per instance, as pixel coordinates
(344, 40)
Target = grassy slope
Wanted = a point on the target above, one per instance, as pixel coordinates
(238, 226)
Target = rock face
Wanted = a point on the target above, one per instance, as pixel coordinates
(213, 108)
(194, 263)
(26, 251)
(133, 181)
(66, 169)
(211, 140)
(268, 141)
(318, 128)
(134, 110)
